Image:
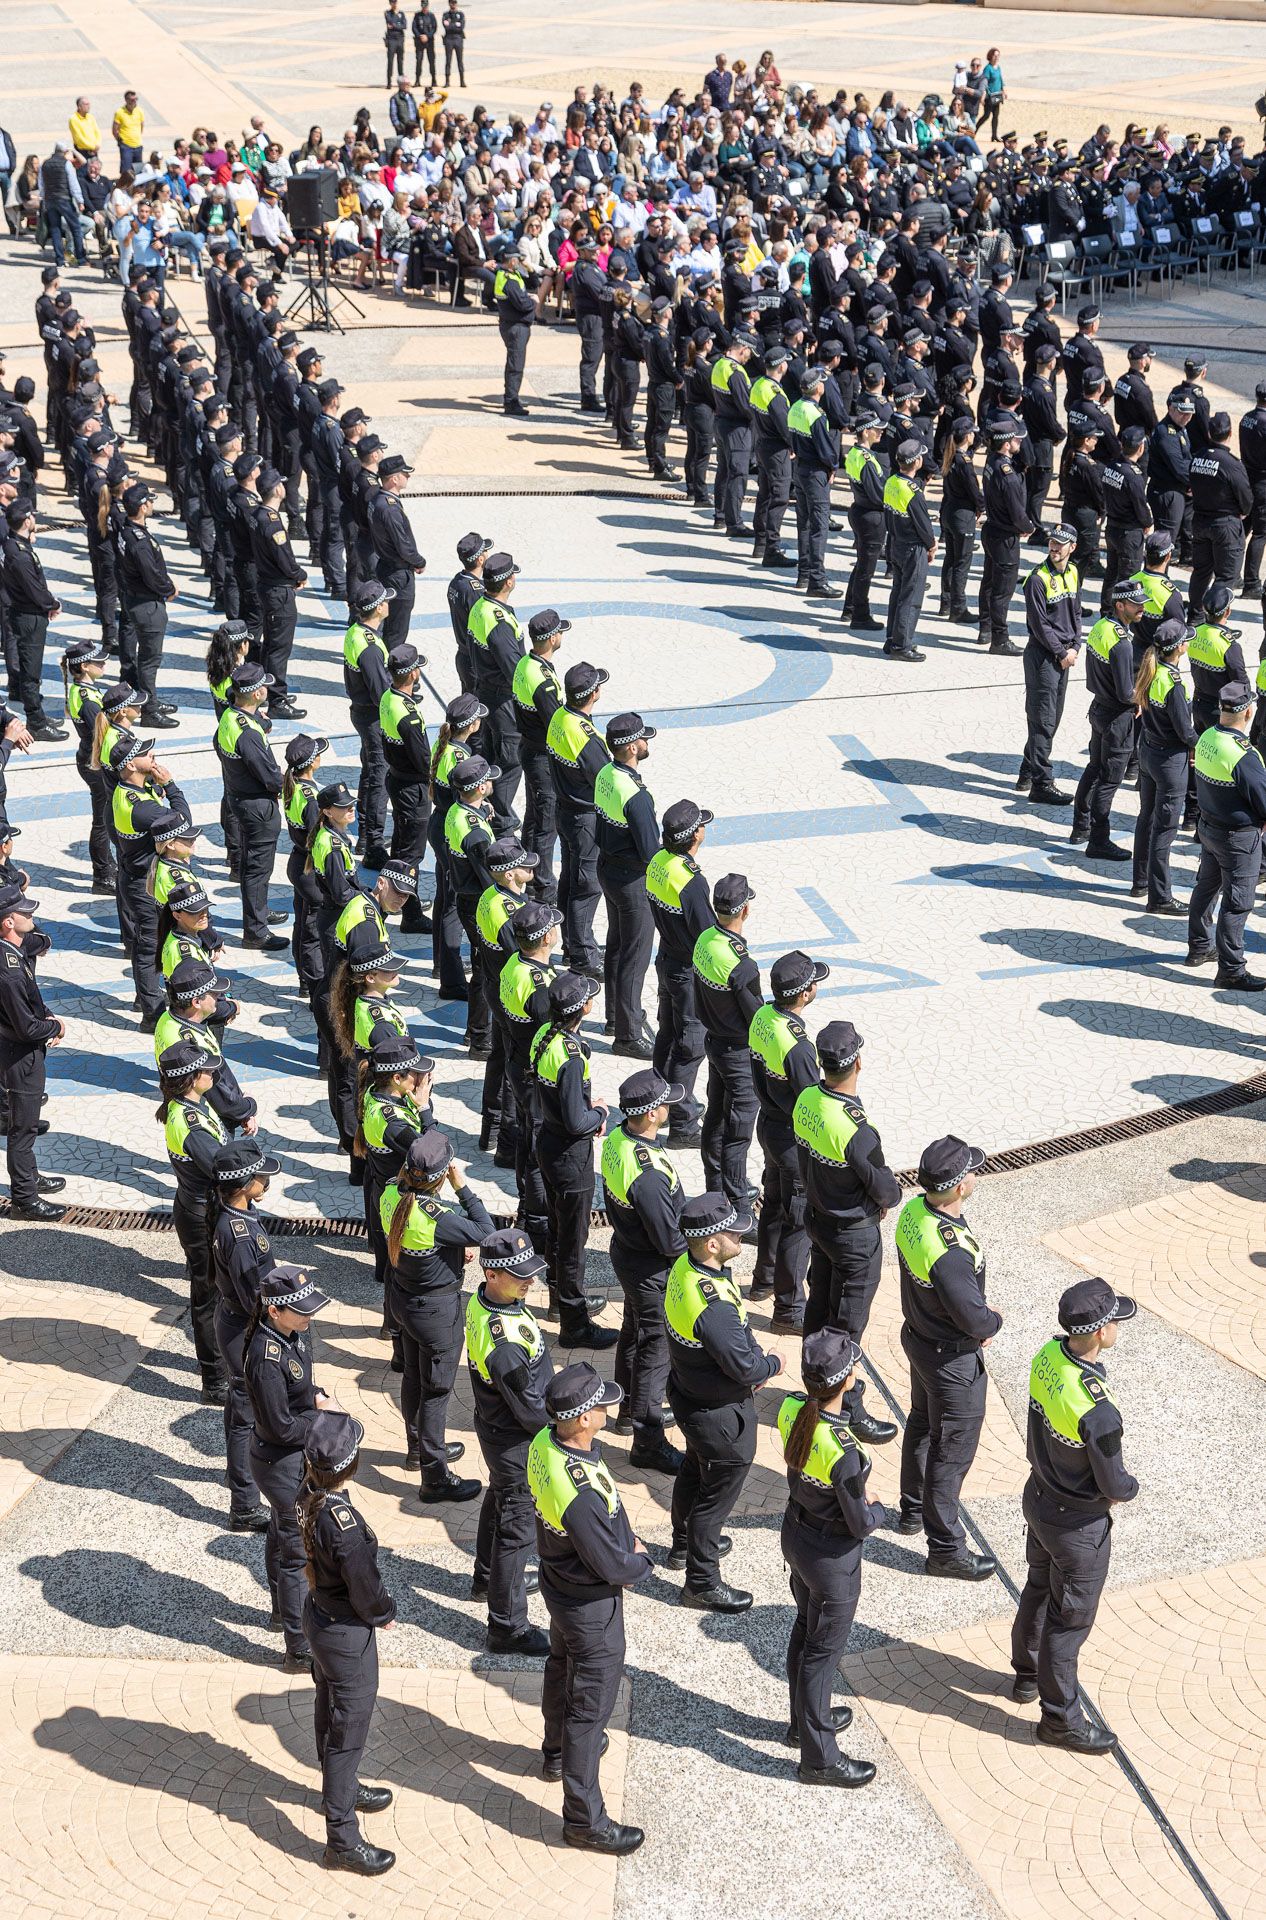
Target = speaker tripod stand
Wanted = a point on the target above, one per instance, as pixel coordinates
(313, 303)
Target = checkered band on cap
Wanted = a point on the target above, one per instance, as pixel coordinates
(714, 1226)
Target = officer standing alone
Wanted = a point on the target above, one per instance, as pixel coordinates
(516, 313)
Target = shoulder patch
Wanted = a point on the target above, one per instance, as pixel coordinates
(707, 1289)
(577, 1473)
(640, 1154)
(947, 1233)
(496, 1326)
(272, 1350)
(262, 1242)
(1093, 1385)
(280, 538)
(240, 1228)
(345, 1517)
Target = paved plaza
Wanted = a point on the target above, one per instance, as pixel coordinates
(153, 1759)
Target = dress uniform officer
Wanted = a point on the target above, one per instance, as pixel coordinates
(429, 1238)
(588, 282)
(681, 908)
(29, 606)
(468, 834)
(516, 313)
(252, 783)
(510, 1368)
(1231, 787)
(784, 1063)
(406, 750)
(946, 1321)
(537, 693)
(866, 476)
(848, 1191)
(827, 1519)
(1129, 518)
(145, 587)
(496, 649)
(644, 1199)
(700, 421)
(577, 756)
(714, 1366)
(192, 1132)
(962, 509)
(366, 679)
(1253, 456)
(1081, 355)
(465, 587)
(27, 1030)
(1007, 522)
(344, 1609)
(241, 1255)
(1045, 432)
(299, 807)
(453, 27)
(772, 446)
(1222, 500)
(1076, 1476)
(567, 1120)
(1052, 614)
(663, 382)
(280, 578)
(1132, 400)
(1089, 412)
(728, 996)
(1165, 747)
(393, 40)
(244, 504)
(589, 1554)
(912, 540)
(628, 840)
(1110, 677)
(399, 562)
(326, 442)
(1169, 465)
(732, 401)
(816, 454)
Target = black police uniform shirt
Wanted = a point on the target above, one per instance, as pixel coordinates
(278, 1368)
(251, 771)
(1219, 485)
(1053, 626)
(275, 563)
(952, 1311)
(1198, 425)
(1037, 407)
(460, 1223)
(1087, 416)
(646, 1236)
(391, 534)
(727, 1365)
(241, 1255)
(1087, 1479)
(1039, 330)
(800, 1069)
(1080, 357)
(961, 490)
(1132, 402)
(859, 1189)
(463, 590)
(346, 1584)
(842, 1507)
(1169, 458)
(1242, 801)
(26, 1026)
(596, 1556)
(1253, 445)
(25, 589)
(1006, 507)
(510, 1404)
(1124, 497)
(454, 24)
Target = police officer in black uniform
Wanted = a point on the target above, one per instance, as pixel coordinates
(1253, 455)
(453, 27)
(145, 587)
(1110, 677)
(280, 577)
(1052, 610)
(628, 840)
(1221, 500)
(399, 562)
(1169, 465)
(241, 1255)
(465, 587)
(252, 781)
(727, 995)
(406, 750)
(537, 693)
(784, 1063)
(1007, 522)
(1081, 355)
(1129, 517)
(588, 282)
(773, 459)
(516, 315)
(346, 1605)
(27, 1030)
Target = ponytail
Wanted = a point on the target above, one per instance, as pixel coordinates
(399, 1224)
(313, 1491)
(99, 726)
(362, 1091)
(104, 503)
(800, 1439)
(1148, 668)
(443, 739)
(546, 1040)
(343, 1008)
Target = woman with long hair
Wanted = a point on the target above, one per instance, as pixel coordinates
(299, 789)
(1166, 743)
(393, 1109)
(429, 1239)
(700, 418)
(277, 1365)
(362, 1011)
(330, 865)
(828, 1517)
(192, 1131)
(240, 1254)
(570, 1120)
(462, 720)
(345, 1605)
(962, 504)
(83, 665)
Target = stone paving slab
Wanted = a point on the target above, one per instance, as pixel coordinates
(186, 1789)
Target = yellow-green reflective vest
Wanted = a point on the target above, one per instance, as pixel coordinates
(486, 1325)
(171, 1028)
(921, 1240)
(612, 791)
(1218, 754)
(359, 910)
(519, 980)
(764, 391)
(1157, 588)
(185, 1117)
(856, 461)
(552, 1059)
(231, 728)
(555, 1477)
(823, 1125)
(1059, 586)
(178, 947)
(125, 798)
(1164, 680)
(460, 822)
(355, 641)
(1058, 1390)
(827, 1449)
(493, 909)
(446, 759)
(370, 1013)
(723, 370)
(898, 493)
(419, 1233)
(802, 417)
(1208, 647)
(567, 736)
(328, 844)
(1104, 635)
(380, 1110)
(772, 1035)
(531, 674)
(625, 1160)
(667, 878)
(395, 708)
(503, 278)
(166, 876)
(297, 805)
(484, 616)
(691, 1291)
(717, 953)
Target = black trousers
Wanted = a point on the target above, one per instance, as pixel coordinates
(700, 434)
(149, 624)
(1068, 1565)
(589, 326)
(905, 595)
(773, 493)
(230, 1332)
(661, 400)
(1110, 745)
(423, 50)
(729, 1120)
(371, 792)
(150, 990)
(826, 1584)
(1123, 555)
(567, 1170)
(1086, 552)
(679, 1036)
(410, 817)
(868, 544)
(1162, 797)
(958, 530)
(734, 460)
(455, 52)
(813, 521)
(260, 824)
(626, 380)
(430, 1327)
(190, 1223)
(1167, 507)
(30, 631)
(578, 890)
(1045, 691)
(720, 1445)
(284, 1560)
(395, 630)
(99, 843)
(478, 1012)
(1230, 862)
(844, 1266)
(630, 936)
(947, 1412)
(997, 583)
(533, 1210)
(641, 1354)
(22, 1079)
(514, 335)
(782, 1240)
(345, 1673)
(503, 748)
(1037, 482)
(582, 1679)
(395, 56)
(507, 1533)
(446, 926)
(1217, 550)
(540, 819)
(333, 558)
(277, 604)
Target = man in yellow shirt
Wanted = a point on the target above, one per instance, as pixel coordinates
(85, 134)
(129, 131)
